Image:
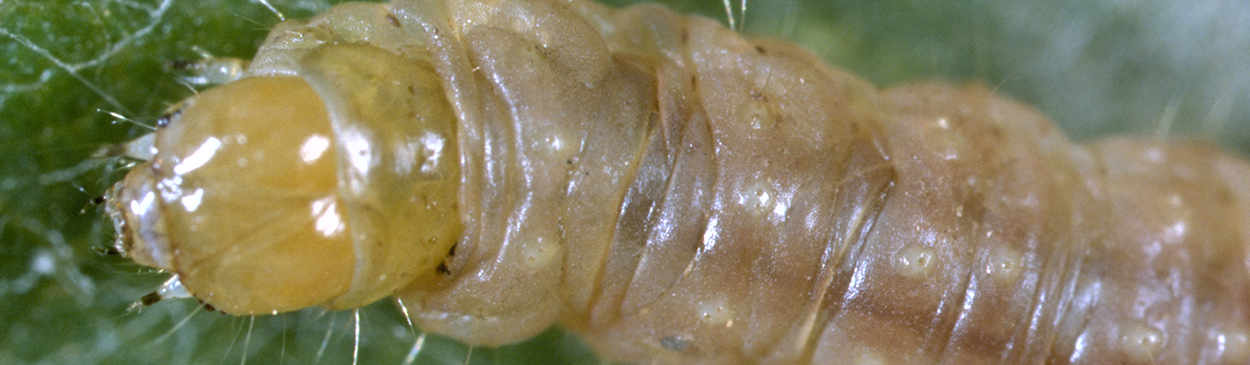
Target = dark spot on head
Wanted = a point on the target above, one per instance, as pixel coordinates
(209, 307)
(394, 21)
(442, 269)
(760, 49)
(167, 118)
(98, 200)
(150, 299)
(412, 89)
(685, 35)
(452, 251)
(569, 161)
(694, 82)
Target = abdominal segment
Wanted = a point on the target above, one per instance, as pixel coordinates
(730, 201)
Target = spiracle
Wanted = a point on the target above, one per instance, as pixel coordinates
(677, 193)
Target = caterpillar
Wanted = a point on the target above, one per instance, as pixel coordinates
(676, 193)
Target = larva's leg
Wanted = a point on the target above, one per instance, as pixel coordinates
(210, 70)
(171, 289)
(138, 148)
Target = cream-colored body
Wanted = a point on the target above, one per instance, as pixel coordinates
(679, 194)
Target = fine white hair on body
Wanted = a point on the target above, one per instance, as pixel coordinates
(1175, 63)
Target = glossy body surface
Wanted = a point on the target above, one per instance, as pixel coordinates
(677, 193)
(360, 164)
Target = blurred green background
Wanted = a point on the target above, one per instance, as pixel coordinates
(1097, 67)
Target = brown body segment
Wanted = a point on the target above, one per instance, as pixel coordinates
(793, 213)
(680, 194)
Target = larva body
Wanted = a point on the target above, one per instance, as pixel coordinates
(677, 193)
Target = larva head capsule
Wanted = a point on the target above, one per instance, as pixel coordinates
(333, 187)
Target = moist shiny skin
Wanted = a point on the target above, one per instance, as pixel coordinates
(680, 194)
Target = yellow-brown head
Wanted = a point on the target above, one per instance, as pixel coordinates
(274, 193)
